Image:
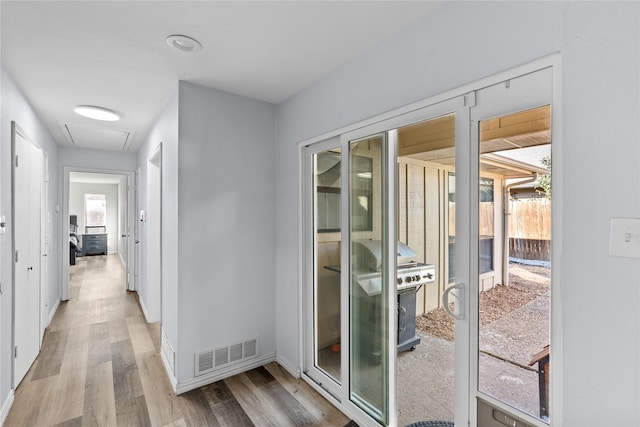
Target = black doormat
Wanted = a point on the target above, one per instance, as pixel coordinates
(431, 424)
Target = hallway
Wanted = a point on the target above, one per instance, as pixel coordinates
(100, 365)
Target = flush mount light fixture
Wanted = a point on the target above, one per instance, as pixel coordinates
(184, 43)
(96, 113)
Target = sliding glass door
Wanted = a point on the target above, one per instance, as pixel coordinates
(357, 296)
(408, 217)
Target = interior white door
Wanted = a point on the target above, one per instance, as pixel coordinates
(27, 244)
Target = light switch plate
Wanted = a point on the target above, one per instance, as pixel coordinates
(624, 237)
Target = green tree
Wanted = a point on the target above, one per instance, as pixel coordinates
(544, 180)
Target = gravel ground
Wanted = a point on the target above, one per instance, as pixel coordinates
(525, 284)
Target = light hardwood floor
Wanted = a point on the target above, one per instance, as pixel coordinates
(100, 366)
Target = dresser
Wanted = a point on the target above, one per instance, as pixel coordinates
(93, 244)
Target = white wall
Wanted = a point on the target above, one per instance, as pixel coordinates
(15, 107)
(227, 215)
(598, 166)
(165, 131)
(77, 190)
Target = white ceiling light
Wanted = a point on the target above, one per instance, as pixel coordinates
(96, 113)
(184, 43)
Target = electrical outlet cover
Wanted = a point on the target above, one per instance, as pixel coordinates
(624, 237)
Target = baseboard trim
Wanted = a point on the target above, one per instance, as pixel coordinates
(172, 378)
(288, 366)
(6, 407)
(143, 308)
(183, 387)
(53, 312)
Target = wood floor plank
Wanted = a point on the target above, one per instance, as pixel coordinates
(67, 401)
(140, 338)
(176, 423)
(53, 351)
(99, 403)
(161, 400)
(257, 406)
(292, 408)
(126, 381)
(33, 396)
(99, 345)
(260, 376)
(74, 422)
(224, 405)
(196, 410)
(132, 412)
(118, 330)
(324, 412)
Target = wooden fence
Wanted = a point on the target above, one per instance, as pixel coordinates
(532, 249)
(530, 229)
(530, 219)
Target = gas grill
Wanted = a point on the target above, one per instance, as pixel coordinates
(368, 263)
(411, 276)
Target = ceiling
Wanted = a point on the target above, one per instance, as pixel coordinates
(511, 146)
(114, 54)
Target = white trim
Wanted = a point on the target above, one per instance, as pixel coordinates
(524, 418)
(345, 409)
(53, 311)
(239, 368)
(556, 357)
(121, 260)
(143, 307)
(6, 407)
(167, 368)
(288, 366)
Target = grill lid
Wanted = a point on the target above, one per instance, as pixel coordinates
(368, 254)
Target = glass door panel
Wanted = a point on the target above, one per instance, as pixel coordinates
(514, 271)
(369, 302)
(326, 260)
(512, 307)
(426, 224)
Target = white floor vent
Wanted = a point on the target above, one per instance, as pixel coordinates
(226, 356)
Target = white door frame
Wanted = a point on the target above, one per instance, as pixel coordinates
(64, 241)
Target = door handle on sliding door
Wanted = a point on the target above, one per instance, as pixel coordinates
(445, 301)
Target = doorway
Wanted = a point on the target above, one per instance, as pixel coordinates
(107, 230)
(438, 189)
